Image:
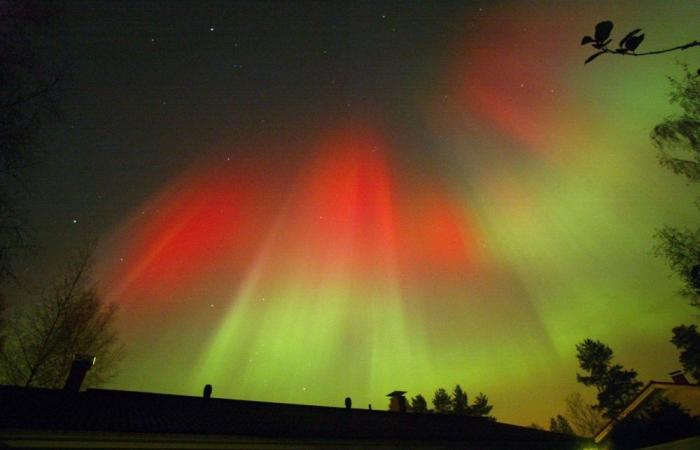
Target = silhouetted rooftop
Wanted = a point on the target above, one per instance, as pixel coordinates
(38, 411)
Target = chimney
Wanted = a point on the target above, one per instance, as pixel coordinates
(78, 370)
(397, 402)
(678, 377)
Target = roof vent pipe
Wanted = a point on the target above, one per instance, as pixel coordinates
(78, 370)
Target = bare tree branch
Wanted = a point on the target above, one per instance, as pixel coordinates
(68, 319)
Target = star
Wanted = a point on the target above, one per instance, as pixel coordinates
(211, 28)
(75, 220)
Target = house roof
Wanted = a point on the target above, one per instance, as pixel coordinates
(688, 395)
(112, 411)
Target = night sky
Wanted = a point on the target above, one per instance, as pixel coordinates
(299, 202)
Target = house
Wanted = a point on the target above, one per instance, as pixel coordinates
(102, 418)
(678, 391)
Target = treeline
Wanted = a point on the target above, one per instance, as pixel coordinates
(457, 403)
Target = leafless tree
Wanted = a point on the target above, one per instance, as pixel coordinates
(41, 339)
(28, 96)
(585, 419)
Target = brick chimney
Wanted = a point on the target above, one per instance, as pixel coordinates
(78, 370)
(678, 377)
(397, 402)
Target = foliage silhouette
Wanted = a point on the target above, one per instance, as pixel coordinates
(628, 45)
(677, 140)
(460, 404)
(442, 402)
(418, 404)
(687, 339)
(481, 408)
(615, 385)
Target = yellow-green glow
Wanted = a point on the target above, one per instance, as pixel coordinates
(519, 226)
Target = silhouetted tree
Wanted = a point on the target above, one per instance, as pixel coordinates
(559, 424)
(418, 404)
(27, 95)
(687, 339)
(460, 404)
(678, 142)
(481, 408)
(660, 421)
(42, 339)
(628, 44)
(616, 386)
(442, 401)
(585, 419)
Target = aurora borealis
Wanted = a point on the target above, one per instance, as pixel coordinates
(303, 202)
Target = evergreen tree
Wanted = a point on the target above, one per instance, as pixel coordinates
(442, 402)
(616, 386)
(481, 408)
(460, 404)
(418, 404)
(687, 340)
(559, 424)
